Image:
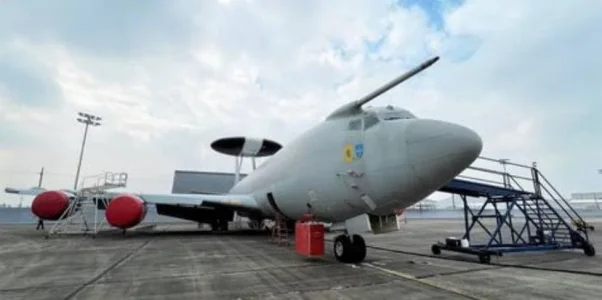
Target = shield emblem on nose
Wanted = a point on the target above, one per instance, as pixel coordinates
(359, 150)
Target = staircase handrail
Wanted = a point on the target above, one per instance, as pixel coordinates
(560, 196)
(541, 184)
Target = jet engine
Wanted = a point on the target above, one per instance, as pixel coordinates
(125, 211)
(50, 205)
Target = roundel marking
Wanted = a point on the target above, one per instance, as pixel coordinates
(348, 153)
(359, 150)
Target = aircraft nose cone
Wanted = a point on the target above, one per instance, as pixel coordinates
(439, 151)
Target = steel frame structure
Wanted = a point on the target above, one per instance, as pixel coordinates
(525, 220)
(88, 198)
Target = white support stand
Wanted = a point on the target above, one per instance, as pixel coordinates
(241, 147)
(238, 166)
(237, 220)
(86, 200)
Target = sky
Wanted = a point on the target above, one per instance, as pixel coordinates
(170, 77)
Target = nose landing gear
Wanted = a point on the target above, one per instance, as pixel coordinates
(350, 249)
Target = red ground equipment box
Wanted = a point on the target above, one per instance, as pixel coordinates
(309, 238)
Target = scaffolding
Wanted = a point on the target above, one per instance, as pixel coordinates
(87, 201)
(280, 231)
(522, 217)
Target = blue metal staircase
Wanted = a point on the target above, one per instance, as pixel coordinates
(536, 219)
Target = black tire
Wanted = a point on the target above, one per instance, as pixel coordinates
(484, 258)
(214, 225)
(589, 250)
(358, 249)
(342, 248)
(436, 249)
(223, 225)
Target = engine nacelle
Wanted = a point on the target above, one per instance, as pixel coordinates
(246, 146)
(50, 205)
(125, 211)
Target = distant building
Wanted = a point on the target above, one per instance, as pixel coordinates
(197, 182)
(426, 204)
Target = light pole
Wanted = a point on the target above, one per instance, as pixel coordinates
(595, 194)
(88, 120)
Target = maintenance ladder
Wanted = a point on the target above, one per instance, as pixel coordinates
(280, 231)
(89, 199)
(524, 220)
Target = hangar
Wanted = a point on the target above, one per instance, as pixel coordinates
(198, 182)
(201, 182)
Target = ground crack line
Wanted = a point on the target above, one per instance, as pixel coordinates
(424, 282)
(111, 267)
(493, 264)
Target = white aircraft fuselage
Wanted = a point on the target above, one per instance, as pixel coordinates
(372, 162)
(358, 161)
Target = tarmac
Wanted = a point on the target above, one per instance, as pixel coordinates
(179, 261)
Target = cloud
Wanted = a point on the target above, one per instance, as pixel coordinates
(169, 77)
(23, 81)
(105, 29)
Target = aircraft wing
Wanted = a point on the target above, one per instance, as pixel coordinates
(236, 202)
(34, 191)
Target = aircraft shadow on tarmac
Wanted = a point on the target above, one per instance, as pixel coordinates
(149, 231)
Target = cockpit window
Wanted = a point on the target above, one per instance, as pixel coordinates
(388, 113)
(370, 120)
(355, 124)
(397, 115)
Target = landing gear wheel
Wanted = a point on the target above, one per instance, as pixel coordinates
(589, 250)
(484, 258)
(223, 225)
(436, 249)
(342, 248)
(214, 225)
(255, 224)
(359, 248)
(346, 251)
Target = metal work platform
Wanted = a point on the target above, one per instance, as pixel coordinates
(88, 200)
(514, 218)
